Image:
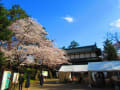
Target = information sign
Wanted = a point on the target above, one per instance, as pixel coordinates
(45, 73)
(15, 78)
(6, 80)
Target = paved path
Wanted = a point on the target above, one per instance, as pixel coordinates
(52, 85)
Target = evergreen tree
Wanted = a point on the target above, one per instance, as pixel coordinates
(63, 47)
(16, 13)
(109, 50)
(73, 44)
(5, 34)
(7, 17)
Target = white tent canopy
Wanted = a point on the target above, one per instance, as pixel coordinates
(104, 66)
(74, 68)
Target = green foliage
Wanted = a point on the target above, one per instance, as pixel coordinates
(31, 72)
(44, 28)
(2, 59)
(16, 13)
(109, 50)
(73, 44)
(63, 47)
(5, 34)
(7, 17)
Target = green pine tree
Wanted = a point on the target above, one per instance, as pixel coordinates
(63, 47)
(5, 34)
(109, 50)
(16, 13)
(73, 44)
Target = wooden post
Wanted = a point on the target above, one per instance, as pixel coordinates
(90, 79)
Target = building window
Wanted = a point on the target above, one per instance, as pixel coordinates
(81, 55)
(72, 57)
(87, 55)
(77, 56)
(69, 57)
(93, 55)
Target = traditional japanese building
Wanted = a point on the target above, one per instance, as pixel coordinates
(83, 55)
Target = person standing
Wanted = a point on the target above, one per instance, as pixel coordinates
(21, 81)
(41, 78)
(27, 83)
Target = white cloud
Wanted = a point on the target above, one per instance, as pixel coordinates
(68, 19)
(115, 24)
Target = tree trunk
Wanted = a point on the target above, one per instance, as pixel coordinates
(89, 78)
(36, 75)
(0, 45)
(50, 74)
(9, 45)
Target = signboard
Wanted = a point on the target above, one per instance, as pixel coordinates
(15, 78)
(45, 73)
(5, 80)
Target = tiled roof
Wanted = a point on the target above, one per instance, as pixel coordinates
(82, 49)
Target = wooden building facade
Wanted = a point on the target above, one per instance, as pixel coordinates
(83, 55)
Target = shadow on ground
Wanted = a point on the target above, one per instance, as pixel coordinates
(52, 85)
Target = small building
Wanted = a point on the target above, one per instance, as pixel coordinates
(83, 55)
(80, 56)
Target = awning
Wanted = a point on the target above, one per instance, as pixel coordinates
(104, 66)
(74, 68)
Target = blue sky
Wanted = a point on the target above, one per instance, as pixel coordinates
(85, 21)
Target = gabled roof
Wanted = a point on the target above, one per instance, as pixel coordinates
(82, 49)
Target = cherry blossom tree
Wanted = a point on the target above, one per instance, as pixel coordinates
(31, 40)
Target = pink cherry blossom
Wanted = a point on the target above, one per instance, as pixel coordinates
(32, 39)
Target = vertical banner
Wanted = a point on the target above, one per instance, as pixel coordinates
(15, 78)
(6, 80)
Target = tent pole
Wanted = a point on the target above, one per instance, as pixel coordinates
(89, 79)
